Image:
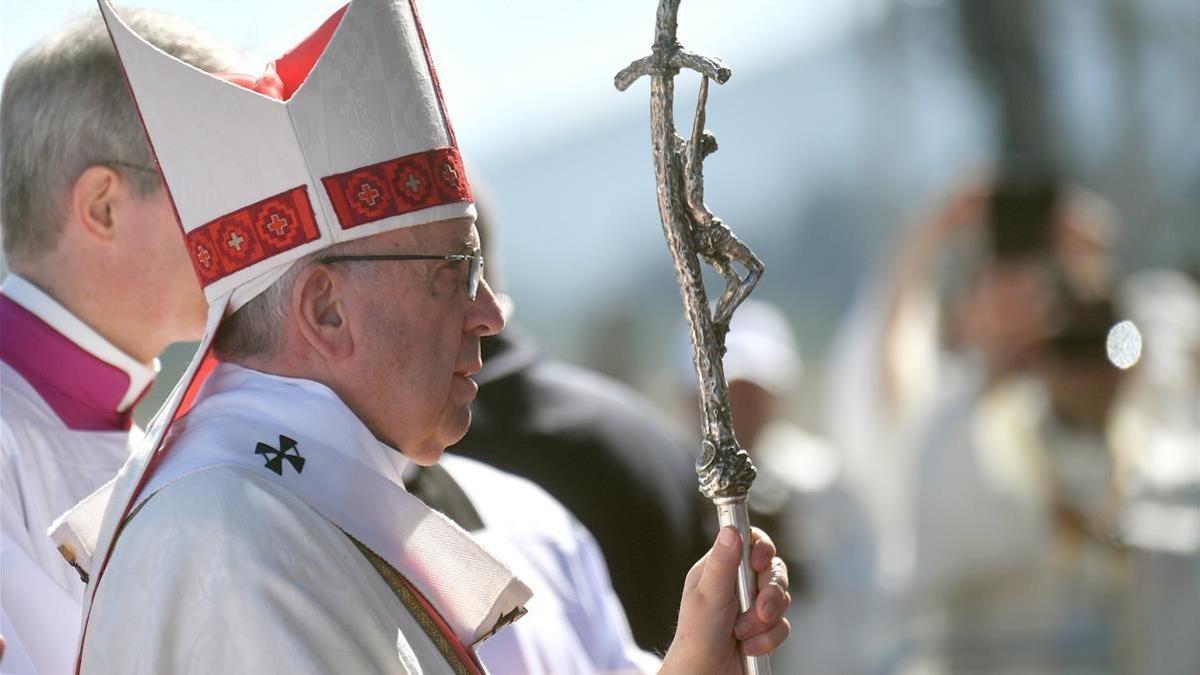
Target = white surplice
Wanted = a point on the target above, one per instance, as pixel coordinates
(65, 399)
(238, 559)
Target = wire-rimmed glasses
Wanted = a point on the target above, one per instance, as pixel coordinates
(475, 257)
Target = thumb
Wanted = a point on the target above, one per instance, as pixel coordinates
(718, 583)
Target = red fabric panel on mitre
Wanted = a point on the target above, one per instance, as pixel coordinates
(294, 66)
(285, 75)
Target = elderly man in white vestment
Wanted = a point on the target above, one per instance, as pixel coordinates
(270, 531)
(74, 363)
(99, 286)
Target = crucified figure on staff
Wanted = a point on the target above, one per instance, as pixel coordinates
(715, 242)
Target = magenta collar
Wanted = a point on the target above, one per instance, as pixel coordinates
(87, 392)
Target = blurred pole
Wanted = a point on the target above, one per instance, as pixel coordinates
(1129, 172)
(1000, 36)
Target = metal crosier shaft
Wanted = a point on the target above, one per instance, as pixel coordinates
(693, 232)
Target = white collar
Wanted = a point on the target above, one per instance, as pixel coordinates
(46, 308)
(339, 422)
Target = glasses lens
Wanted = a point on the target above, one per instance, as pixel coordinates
(475, 274)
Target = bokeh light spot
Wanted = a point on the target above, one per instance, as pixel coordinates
(1124, 345)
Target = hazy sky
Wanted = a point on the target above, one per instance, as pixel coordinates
(512, 71)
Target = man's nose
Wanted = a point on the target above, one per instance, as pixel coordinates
(484, 315)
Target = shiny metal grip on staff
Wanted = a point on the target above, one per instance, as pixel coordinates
(693, 232)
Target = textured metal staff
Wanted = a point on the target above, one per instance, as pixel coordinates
(693, 232)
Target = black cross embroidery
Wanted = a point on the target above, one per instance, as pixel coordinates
(287, 450)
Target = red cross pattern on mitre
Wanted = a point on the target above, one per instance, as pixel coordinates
(398, 186)
(251, 234)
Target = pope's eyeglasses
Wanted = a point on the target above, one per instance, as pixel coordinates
(475, 257)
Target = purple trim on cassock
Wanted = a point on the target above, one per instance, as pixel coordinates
(81, 389)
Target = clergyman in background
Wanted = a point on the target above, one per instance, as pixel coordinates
(100, 285)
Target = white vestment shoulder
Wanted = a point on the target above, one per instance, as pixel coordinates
(224, 571)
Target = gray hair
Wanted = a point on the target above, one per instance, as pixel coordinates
(254, 329)
(66, 106)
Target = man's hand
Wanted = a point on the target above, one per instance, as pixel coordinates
(710, 628)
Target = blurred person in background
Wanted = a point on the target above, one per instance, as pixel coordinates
(885, 369)
(799, 495)
(93, 298)
(1018, 564)
(995, 444)
(598, 448)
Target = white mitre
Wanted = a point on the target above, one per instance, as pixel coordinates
(357, 143)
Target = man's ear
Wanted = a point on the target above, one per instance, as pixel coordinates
(319, 305)
(93, 197)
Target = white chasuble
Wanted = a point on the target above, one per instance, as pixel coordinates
(264, 542)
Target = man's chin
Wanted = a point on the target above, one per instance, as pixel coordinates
(455, 427)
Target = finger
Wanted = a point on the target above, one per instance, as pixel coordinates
(773, 597)
(750, 624)
(770, 604)
(769, 641)
(762, 551)
(718, 579)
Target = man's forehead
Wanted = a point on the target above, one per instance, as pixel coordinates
(458, 234)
